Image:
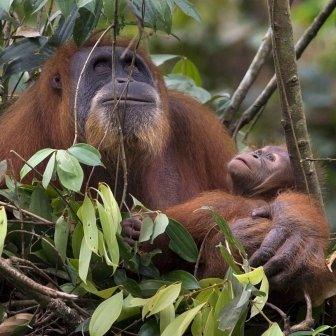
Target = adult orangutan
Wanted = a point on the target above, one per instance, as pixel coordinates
(262, 199)
(175, 147)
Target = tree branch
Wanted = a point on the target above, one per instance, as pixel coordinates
(300, 47)
(249, 78)
(294, 120)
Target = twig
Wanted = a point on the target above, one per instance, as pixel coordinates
(283, 316)
(12, 274)
(28, 213)
(320, 159)
(249, 78)
(201, 251)
(308, 322)
(300, 47)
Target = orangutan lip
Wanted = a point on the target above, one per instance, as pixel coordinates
(244, 161)
(131, 100)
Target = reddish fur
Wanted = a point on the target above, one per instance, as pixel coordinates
(193, 160)
(301, 211)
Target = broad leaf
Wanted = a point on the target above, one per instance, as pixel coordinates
(84, 260)
(61, 236)
(86, 154)
(105, 315)
(35, 160)
(181, 323)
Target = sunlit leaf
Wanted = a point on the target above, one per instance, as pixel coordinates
(162, 299)
(188, 9)
(3, 228)
(48, 173)
(147, 228)
(160, 59)
(259, 302)
(87, 215)
(273, 330)
(166, 316)
(35, 160)
(161, 222)
(69, 171)
(86, 154)
(105, 315)
(254, 277)
(181, 323)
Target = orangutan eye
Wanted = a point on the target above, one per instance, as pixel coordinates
(270, 156)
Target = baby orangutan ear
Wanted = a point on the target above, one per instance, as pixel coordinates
(56, 82)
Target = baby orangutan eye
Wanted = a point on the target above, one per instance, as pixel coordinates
(270, 156)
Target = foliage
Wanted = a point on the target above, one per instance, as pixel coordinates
(73, 233)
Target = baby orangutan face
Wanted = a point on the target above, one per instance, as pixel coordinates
(262, 172)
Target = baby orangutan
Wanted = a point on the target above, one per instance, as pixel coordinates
(262, 199)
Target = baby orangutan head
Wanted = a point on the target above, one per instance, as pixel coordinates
(262, 172)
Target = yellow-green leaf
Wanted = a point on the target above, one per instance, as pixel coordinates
(3, 228)
(253, 277)
(273, 330)
(105, 315)
(87, 215)
(167, 316)
(181, 323)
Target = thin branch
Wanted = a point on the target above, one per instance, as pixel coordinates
(28, 213)
(300, 47)
(13, 274)
(320, 159)
(308, 322)
(251, 75)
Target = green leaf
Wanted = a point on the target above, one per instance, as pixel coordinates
(76, 240)
(109, 236)
(69, 171)
(210, 323)
(86, 154)
(182, 243)
(49, 171)
(189, 282)
(61, 236)
(65, 6)
(105, 315)
(273, 330)
(225, 228)
(40, 203)
(35, 160)
(188, 9)
(228, 258)
(161, 300)
(259, 302)
(166, 316)
(232, 312)
(111, 206)
(84, 260)
(187, 85)
(187, 68)
(254, 277)
(160, 59)
(147, 228)
(160, 224)
(181, 323)
(3, 228)
(87, 215)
